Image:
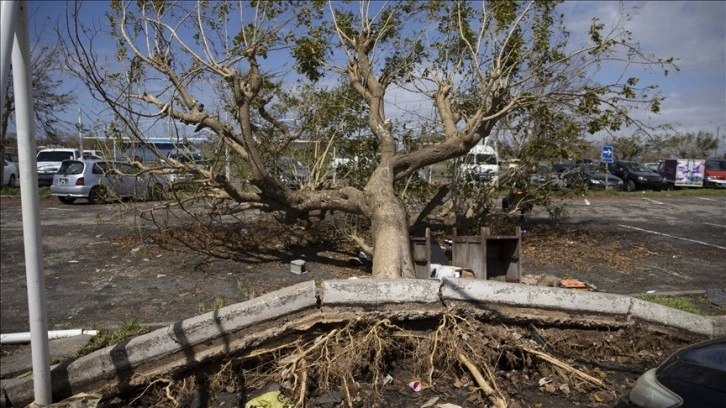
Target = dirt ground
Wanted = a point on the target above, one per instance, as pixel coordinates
(105, 268)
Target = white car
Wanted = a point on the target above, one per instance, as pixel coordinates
(10, 174)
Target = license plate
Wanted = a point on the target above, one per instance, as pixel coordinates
(62, 181)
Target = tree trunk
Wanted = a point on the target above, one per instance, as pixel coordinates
(389, 227)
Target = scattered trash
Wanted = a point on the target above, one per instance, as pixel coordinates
(297, 267)
(438, 271)
(161, 275)
(650, 291)
(273, 399)
(591, 286)
(448, 405)
(388, 379)
(415, 385)
(137, 249)
(145, 242)
(573, 284)
(74, 261)
(544, 381)
(362, 259)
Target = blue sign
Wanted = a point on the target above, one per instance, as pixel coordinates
(607, 154)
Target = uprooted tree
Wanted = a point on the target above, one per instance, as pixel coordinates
(261, 75)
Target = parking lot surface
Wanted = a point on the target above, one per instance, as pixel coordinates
(102, 270)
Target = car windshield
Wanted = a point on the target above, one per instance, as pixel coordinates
(71, 167)
(716, 165)
(634, 166)
(54, 156)
(481, 158)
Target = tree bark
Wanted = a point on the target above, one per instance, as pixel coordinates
(389, 228)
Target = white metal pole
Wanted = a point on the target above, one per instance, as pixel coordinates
(80, 134)
(8, 17)
(21, 63)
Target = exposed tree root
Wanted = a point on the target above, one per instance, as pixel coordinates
(356, 359)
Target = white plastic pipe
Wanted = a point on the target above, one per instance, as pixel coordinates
(25, 337)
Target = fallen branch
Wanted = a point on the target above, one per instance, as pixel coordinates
(483, 384)
(565, 366)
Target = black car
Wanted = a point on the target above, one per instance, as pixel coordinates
(636, 175)
(693, 377)
(591, 176)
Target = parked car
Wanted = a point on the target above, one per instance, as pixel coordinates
(546, 176)
(99, 181)
(591, 176)
(185, 156)
(49, 161)
(715, 173)
(692, 377)
(10, 173)
(92, 155)
(653, 166)
(636, 175)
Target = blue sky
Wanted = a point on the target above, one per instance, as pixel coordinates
(694, 32)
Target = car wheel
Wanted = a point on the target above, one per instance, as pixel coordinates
(11, 180)
(66, 200)
(97, 195)
(156, 192)
(630, 185)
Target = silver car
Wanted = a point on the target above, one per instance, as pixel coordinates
(100, 180)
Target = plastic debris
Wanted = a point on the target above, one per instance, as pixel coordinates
(415, 385)
(297, 267)
(273, 399)
(388, 379)
(438, 271)
(573, 284)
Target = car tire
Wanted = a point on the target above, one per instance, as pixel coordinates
(66, 200)
(11, 181)
(96, 195)
(630, 185)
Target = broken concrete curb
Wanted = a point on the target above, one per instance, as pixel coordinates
(214, 334)
(373, 292)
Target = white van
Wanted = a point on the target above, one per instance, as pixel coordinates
(481, 163)
(50, 160)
